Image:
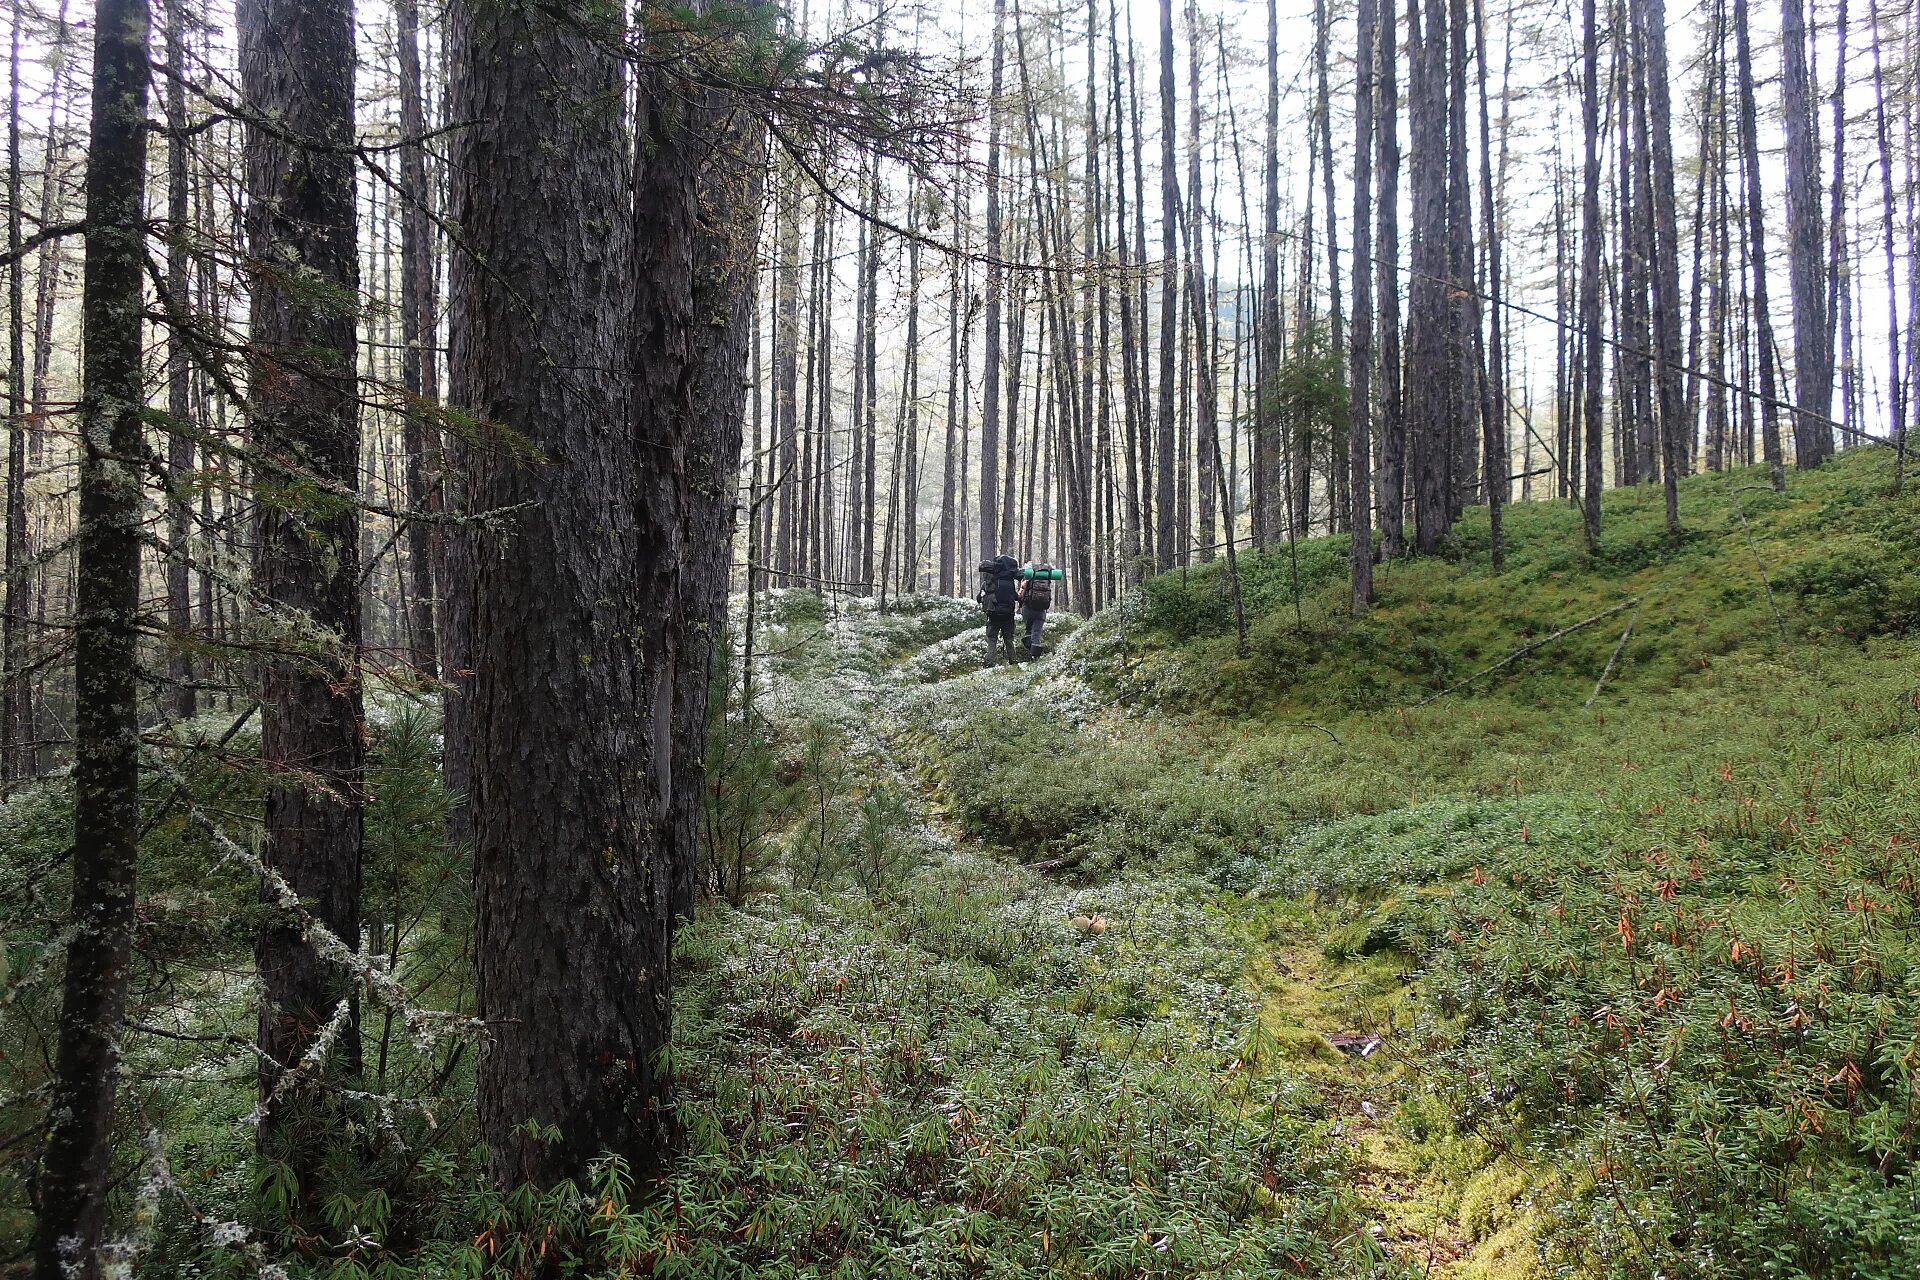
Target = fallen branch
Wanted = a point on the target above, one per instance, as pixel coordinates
(1601, 683)
(1526, 649)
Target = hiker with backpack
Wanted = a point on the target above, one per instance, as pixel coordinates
(1035, 593)
(999, 598)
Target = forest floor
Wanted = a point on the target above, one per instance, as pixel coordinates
(1624, 924)
(1551, 921)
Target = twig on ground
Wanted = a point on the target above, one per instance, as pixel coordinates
(1625, 636)
(1526, 649)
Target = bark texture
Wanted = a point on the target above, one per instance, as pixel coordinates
(75, 1164)
(296, 70)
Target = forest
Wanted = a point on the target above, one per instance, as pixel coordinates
(889, 639)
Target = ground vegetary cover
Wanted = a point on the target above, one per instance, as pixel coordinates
(1064, 970)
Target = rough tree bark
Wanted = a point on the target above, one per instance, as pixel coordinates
(419, 366)
(179, 398)
(1169, 540)
(1666, 259)
(75, 1164)
(1770, 442)
(1360, 354)
(560, 723)
(1594, 354)
(1392, 421)
(1806, 250)
(296, 75)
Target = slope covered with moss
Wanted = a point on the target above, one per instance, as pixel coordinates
(1633, 912)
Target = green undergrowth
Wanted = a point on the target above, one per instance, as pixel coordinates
(1647, 966)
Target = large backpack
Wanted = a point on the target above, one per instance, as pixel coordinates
(1039, 592)
(997, 585)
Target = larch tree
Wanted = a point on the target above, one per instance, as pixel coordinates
(76, 1162)
(1756, 218)
(1806, 249)
(1360, 351)
(303, 426)
(556, 721)
(1169, 539)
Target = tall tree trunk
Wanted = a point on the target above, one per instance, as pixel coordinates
(1169, 539)
(296, 69)
(1494, 462)
(1757, 252)
(1463, 306)
(991, 532)
(1267, 432)
(1392, 413)
(419, 368)
(868, 408)
(1429, 321)
(1594, 352)
(75, 1165)
(1896, 383)
(1360, 356)
(1206, 398)
(1806, 249)
(701, 194)
(179, 387)
(1666, 258)
(563, 724)
(786, 379)
(13, 682)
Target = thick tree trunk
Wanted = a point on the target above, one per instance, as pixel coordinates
(702, 185)
(75, 1165)
(296, 69)
(566, 728)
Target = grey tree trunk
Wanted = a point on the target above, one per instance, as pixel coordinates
(1674, 426)
(1806, 250)
(992, 534)
(75, 1164)
(1593, 353)
(1169, 540)
(179, 388)
(1267, 442)
(1360, 352)
(419, 365)
(1391, 429)
(1770, 442)
(1429, 365)
(14, 686)
(296, 70)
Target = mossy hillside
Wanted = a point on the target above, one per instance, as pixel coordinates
(1657, 951)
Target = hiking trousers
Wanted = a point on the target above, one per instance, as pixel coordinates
(1036, 621)
(999, 636)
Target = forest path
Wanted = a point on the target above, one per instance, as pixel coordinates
(1339, 1023)
(1317, 1014)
